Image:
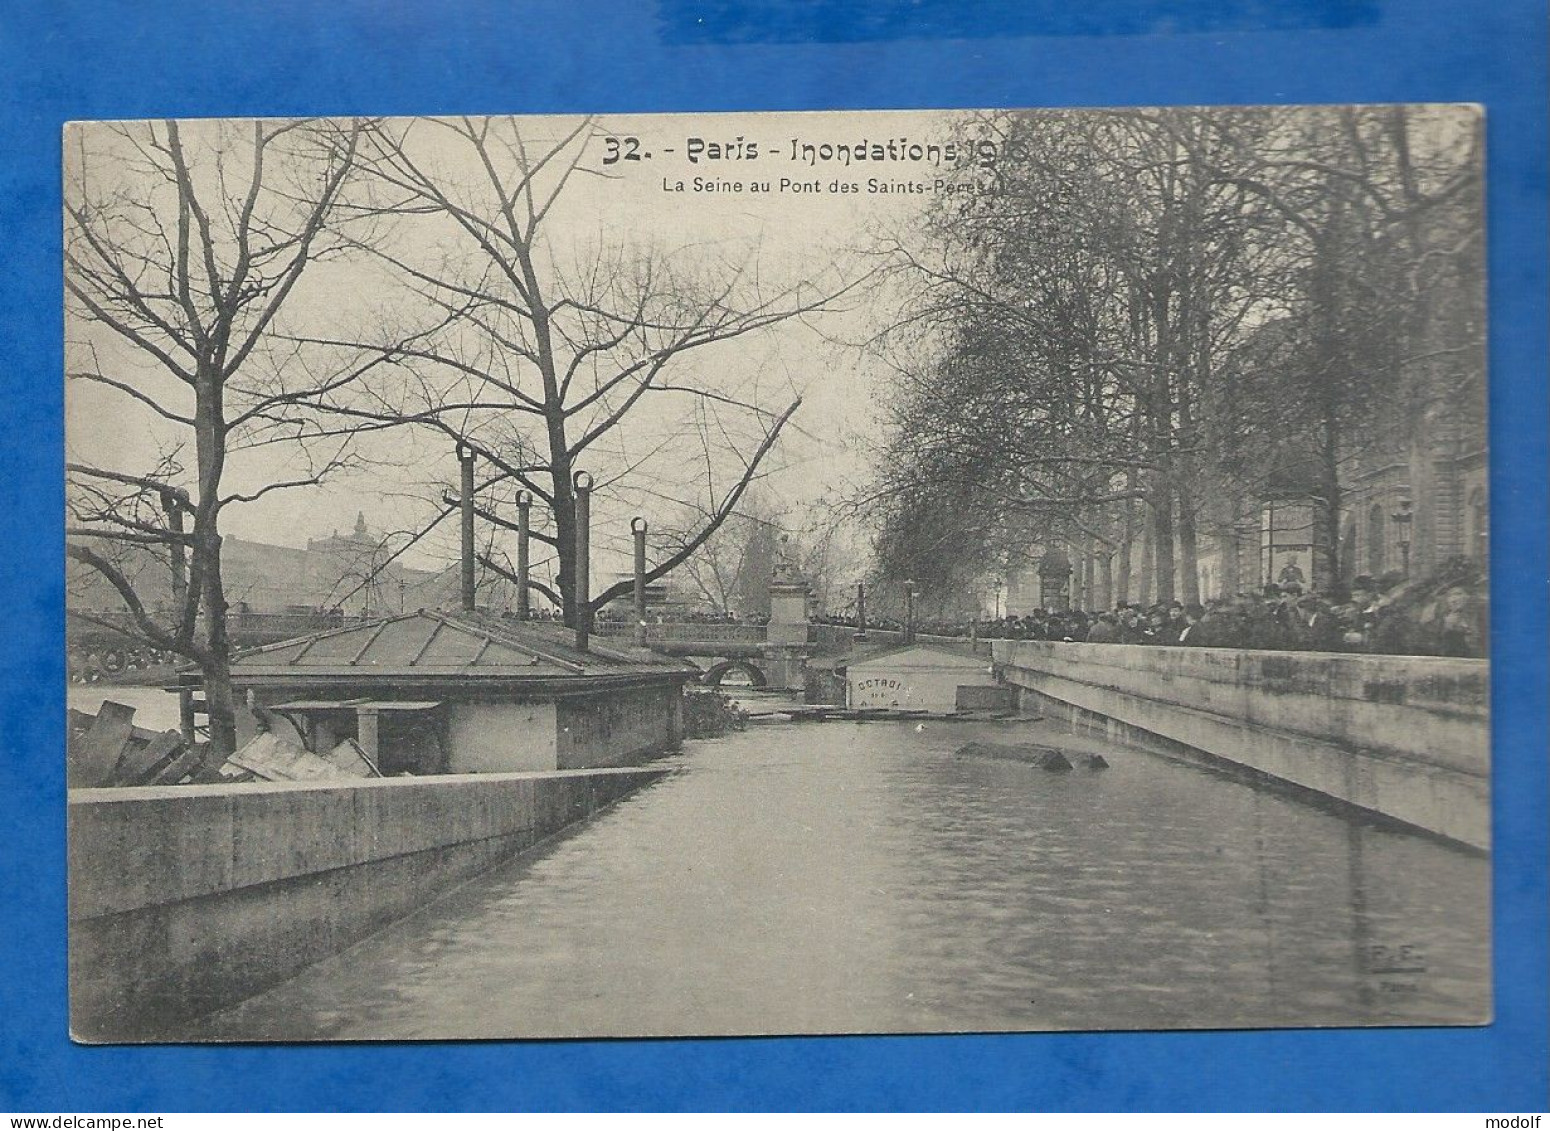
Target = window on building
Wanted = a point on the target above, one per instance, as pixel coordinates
(1479, 526)
(1375, 532)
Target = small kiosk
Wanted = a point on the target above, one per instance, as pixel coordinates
(938, 678)
(466, 692)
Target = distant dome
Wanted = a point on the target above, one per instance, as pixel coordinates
(1053, 562)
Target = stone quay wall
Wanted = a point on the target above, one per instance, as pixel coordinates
(188, 899)
(1404, 737)
(619, 727)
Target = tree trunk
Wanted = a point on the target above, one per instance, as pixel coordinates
(220, 699)
(1148, 561)
(1189, 549)
(1227, 548)
(1163, 543)
(564, 511)
(1326, 518)
(1184, 465)
(1326, 511)
(215, 664)
(1127, 538)
(1160, 415)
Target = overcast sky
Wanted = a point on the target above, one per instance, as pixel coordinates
(787, 234)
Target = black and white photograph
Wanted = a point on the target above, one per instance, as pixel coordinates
(811, 573)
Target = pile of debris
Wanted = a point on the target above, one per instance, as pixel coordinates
(108, 750)
(272, 758)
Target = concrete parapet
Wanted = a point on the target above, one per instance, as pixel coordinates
(185, 900)
(1406, 737)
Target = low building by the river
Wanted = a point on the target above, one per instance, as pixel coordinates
(465, 692)
(941, 678)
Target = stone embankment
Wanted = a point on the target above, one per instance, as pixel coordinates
(1404, 737)
(185, 900)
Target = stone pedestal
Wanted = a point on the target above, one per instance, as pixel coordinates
(1055, 580)
(785, 666)
(788, 612)
(789, 596)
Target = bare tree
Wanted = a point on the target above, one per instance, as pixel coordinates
(184, 246)
(730, 571)
(545, 356)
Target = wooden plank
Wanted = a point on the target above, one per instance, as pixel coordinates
(99, 748)
(209, 770)
(181, 766)
(140, 764)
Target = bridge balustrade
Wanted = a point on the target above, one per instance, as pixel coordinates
(249, 628)
(688, 632)
(245, 628)
(826, 637)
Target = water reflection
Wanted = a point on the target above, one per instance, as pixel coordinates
(855, 878)
(155, 709)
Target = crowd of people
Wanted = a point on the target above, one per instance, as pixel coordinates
(101, 664)
(624, 615)
(1444, 615)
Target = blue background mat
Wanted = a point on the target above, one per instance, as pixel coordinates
(86, 59)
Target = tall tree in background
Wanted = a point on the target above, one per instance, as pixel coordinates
(730, 572)
(1379, 210)
(1155, 318)
(184, 247)
(1084, 302)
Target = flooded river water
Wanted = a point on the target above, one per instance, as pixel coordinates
(844, 877)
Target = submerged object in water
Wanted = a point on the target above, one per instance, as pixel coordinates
(1095, 762)
(1045, 757)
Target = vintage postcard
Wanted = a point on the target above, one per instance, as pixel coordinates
(888, 572)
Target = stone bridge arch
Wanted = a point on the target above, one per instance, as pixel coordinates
(717, 671)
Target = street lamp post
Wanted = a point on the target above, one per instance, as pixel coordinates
(581, 591)
(465, 459)
(638, 528)
(1270, 544)
(524, 534)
